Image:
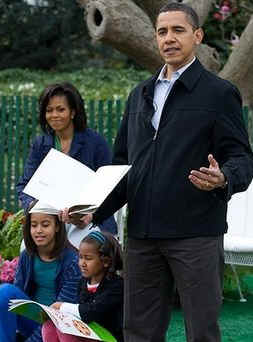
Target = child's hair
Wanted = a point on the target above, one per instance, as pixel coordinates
(108, 247)
(61, 240)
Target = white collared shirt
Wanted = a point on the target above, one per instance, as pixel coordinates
(163, 87)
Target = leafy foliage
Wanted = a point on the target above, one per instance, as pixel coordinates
(93, 83)
(48, 35)
(11, 235)
(40, 36)
(225, 24)
(230, 283)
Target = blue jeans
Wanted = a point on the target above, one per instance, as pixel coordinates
(10, 322)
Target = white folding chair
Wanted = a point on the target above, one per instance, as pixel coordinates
(238, 242)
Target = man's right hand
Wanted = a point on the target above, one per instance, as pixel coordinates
(87, 219)
(76, 219)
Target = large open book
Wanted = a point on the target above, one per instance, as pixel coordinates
(66, 323)
(63, 182)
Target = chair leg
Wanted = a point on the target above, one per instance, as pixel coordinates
(242, 298)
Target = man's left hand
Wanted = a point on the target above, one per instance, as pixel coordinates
(209, 178)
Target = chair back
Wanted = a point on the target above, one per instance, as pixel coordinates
(240, 213)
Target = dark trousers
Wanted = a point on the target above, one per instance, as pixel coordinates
(152, 270)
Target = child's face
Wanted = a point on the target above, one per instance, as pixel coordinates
(43, 230)
(90, 263)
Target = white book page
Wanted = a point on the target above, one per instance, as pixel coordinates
(59, 180)
(63, 182)
(44, 208)
(66, 323)
(107, 177)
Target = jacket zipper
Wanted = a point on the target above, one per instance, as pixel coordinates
(155, 135)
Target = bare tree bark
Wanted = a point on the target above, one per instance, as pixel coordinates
(151, 7)
(202, 7)
(127, 27)
(239, 66)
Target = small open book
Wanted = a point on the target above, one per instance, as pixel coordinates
(66, 323)
(63, 182)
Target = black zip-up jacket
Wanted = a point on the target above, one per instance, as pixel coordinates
(202, 115)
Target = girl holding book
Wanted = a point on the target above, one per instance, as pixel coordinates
(47, 272)
(100, 289)
(63, 122)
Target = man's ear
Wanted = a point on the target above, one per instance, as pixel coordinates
(199, 35)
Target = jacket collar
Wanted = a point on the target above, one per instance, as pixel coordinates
(78, 141)
(191, 75)
(149, 86)
(188, 78)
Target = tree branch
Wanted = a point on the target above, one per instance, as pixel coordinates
(123, 25)
(152, 7)
(247, 8)
(202, 7)
(126, 27)
(239, 66)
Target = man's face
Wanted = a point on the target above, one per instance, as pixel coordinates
(176, 39)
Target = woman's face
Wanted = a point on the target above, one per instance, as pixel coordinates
(59, 115)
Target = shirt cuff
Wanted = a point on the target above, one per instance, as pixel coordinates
(70, 308)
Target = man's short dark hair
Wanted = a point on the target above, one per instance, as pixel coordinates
(189, 12)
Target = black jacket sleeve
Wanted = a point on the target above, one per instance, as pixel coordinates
(232, 145)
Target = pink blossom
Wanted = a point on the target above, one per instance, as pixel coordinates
(8, 269)
(217, 16)
(225, 11)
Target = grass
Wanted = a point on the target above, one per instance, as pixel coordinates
(236, 320)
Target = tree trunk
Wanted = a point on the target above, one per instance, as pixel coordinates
(202, 7)
(239, 66)
(126, 27)
(152, 7)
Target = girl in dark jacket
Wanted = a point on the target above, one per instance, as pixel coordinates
(47, 272)
(100, 291)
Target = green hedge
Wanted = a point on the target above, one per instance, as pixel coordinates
(93, 83)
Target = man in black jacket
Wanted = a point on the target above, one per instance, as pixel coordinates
(184, 135)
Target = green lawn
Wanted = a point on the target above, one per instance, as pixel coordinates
(236, 321)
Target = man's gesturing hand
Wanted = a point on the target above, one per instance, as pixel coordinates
(208, 178)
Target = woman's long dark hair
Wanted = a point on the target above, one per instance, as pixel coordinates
(75, 102)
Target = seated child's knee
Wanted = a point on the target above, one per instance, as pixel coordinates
(7, 292)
